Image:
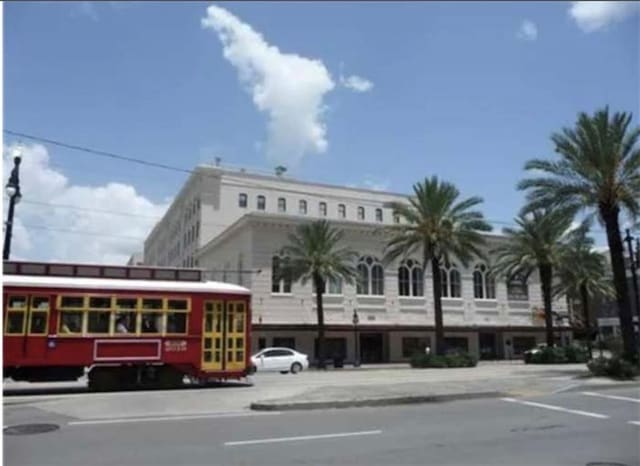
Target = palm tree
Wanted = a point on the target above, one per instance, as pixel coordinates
(439, 226)
(599, 170)
(315, 254)
(536, 244)
(582, 275)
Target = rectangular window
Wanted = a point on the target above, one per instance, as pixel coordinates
(413, 345)
(335, 286)
(282, 204)
(284, 342)
(396, 218)
(342, 211)
(98, 321)
(378, 215)
(261, 203)
(360, 213)
(322, 208)
(242, 200)
(522, 344)
(70, 322)
(302, 207)
(453, 344)
(152, 322)
(151, 303)
(16, 315)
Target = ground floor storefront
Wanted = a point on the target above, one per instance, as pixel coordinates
(371, 344)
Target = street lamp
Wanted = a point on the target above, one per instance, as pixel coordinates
(355, 321)
(13, 191)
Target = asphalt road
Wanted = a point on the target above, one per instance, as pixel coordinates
(570, 428)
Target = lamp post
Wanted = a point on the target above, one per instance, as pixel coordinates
(13, 191)
(355, 321)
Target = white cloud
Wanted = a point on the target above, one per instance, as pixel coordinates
(46, 190)
(593, 16)
(371, 182)
(87, 9)
(528, 30)
(356, 83)
(287, 87)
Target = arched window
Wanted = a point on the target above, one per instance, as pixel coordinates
(262, 202)
(360, 213)
(302, 207)
(242, 200)
(342, 211)
(378, 215)
(484, 285)
(451, 283)
(282, 204)
(370, 276)
(323, 209)
(410, 279)
(280, 275)
(517, 288)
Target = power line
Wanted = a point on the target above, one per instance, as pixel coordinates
(238, 183)
(79, 232)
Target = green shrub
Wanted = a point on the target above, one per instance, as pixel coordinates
(422, 360)
(616, 367)
(558, 355)
(549, 355)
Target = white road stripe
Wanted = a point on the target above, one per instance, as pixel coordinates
(565, 388)
(556, 408)
(612, 397)
(170, 418)
(303, 437)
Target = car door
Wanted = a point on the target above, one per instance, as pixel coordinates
(268, 360)
(283, 359)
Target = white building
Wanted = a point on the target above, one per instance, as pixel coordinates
(234, 224)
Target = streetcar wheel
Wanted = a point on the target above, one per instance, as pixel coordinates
(103, 380)
(168, 377)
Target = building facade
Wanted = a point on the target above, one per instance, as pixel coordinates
(234, 225)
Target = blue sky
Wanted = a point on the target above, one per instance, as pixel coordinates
(467, 91)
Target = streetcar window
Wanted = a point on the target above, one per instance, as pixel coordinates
(126, 303)
(71, 322)
(126, 322)
(176, 322)
(98, 321)
(151, 322)
(100, 302)
(15, 323)
(17, 302)
(40, 303)
(239, 323)
(177, 304)
(71, 302)
(152, 304)
(38, 325)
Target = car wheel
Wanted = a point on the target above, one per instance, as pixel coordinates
(296, 367)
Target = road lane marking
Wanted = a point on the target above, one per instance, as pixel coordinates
(613, 397)
(565, 388)
(635, 423)
(170, 418)
(303, 437)
(556, 408)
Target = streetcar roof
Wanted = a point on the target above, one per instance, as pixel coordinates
(25, 281)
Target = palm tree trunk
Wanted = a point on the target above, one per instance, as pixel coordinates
(437, 302)
(546, 279)
(584, 296)
(616, 251)
(318, 283)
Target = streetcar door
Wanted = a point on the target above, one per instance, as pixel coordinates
(37, 327)
(212, 335)
(235, 335)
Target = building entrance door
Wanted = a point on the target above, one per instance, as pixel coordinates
(488, 346)
(371, 348)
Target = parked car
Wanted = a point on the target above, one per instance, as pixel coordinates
(279, 359)
(530, 352)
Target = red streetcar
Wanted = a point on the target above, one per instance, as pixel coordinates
(129, 326)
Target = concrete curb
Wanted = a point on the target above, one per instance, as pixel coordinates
(605, 386)
(389, 401)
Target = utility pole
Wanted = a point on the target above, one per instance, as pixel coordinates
(13, 191)
(634, 276)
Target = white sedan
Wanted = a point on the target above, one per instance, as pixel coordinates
(280, 359)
